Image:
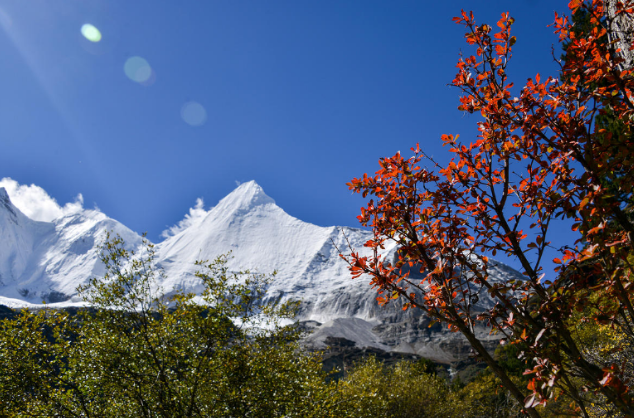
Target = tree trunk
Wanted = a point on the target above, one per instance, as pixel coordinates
(621, 32)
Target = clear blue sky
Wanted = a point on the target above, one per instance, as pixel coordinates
(300, 96)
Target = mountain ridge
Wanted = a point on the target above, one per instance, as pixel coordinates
(262, 237)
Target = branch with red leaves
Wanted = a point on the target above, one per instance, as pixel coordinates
(540, 157)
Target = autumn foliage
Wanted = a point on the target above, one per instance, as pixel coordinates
(544, 155)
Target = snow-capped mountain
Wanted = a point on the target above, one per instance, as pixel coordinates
(263, 238)
(48, 260)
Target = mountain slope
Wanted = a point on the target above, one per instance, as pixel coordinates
(20, 236)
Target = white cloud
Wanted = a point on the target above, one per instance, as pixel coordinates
(35, 203)
(195, 213)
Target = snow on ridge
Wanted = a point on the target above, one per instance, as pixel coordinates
(244, 197)
(250, 192)
(48, 260)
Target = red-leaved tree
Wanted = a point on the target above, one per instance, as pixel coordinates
(541, 156)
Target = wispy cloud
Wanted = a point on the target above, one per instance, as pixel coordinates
(195, 213)
(35, 203)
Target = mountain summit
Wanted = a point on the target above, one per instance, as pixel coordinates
(246, 196)
(262, 238)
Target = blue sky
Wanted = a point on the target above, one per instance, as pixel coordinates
(300, 96)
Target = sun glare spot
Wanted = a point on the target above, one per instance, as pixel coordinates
(137, 69)
(194, 114)
(91, 33)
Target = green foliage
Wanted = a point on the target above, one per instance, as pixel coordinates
(611, 345)
(508, 357)
(374, 390)
(133, 352)
(486, 397)
(424, 365)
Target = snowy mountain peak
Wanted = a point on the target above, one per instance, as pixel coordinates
(3, 194)
(246, 196)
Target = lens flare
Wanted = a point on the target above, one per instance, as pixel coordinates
(91, 33)
(137, 69)
(194, 114)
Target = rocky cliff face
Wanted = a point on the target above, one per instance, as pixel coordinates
(49, 260)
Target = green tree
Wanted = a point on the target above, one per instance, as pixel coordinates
(372, 390)
(134, 352)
